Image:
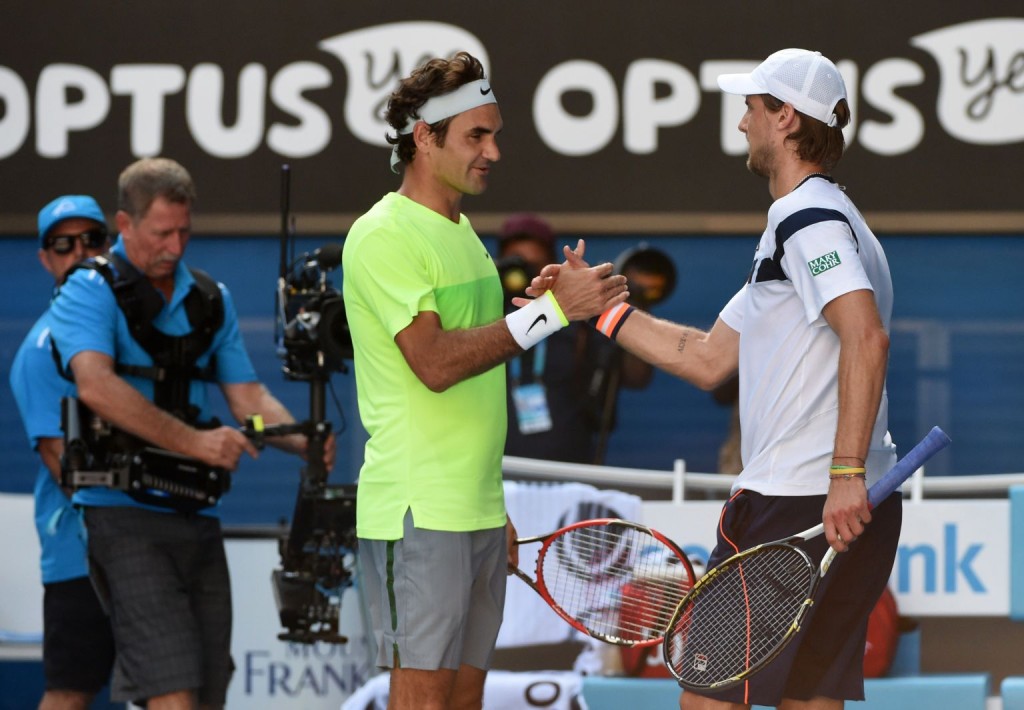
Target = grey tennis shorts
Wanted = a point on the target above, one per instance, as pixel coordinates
(436, 598)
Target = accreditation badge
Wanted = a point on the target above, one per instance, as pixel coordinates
(532, 413)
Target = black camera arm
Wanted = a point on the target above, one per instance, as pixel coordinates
(317, 554)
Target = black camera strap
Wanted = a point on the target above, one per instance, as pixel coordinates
(174, 357)
(148, 475)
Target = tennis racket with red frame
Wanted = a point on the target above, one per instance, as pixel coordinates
(614, 580)
(742, 613)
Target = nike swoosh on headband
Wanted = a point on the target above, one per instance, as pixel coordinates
(466, 97)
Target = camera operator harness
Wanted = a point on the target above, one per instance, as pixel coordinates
(97, 454)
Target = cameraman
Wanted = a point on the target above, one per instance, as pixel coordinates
(561, 392)
(162, 567)
(78, 646)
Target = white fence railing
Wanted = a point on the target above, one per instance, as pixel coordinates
(679, 479)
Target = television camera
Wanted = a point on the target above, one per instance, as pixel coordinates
(312, 337)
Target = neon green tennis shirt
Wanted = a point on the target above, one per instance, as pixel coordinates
(437, 453)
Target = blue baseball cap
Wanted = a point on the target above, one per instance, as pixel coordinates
(68, 207)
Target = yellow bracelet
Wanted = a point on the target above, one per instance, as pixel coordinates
(846, 472)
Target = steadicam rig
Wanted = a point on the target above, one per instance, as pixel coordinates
(312, 337)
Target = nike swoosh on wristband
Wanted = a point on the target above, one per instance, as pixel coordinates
(484, 91)
(542, 318)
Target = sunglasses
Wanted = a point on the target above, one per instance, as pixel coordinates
(94, 239)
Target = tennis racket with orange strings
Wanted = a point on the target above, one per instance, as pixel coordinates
(613, 580)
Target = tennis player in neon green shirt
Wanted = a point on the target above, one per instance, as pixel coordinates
(424, 306)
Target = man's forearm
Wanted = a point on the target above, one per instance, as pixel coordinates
(704, 359)
(246, 399)
(443, 358)
(116, 401)
(466, 353)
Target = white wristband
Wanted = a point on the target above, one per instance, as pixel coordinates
(535, 321)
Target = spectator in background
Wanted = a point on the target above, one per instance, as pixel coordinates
(562, 393)
(78, 645)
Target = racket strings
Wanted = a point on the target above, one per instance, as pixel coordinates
(621, 583)
(740, 617)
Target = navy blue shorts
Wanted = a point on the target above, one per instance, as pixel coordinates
(78, 644)
(826, 658)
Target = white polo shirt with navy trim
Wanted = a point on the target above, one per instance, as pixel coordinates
(815, 248)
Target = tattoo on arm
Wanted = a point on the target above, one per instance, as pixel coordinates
(682, 343)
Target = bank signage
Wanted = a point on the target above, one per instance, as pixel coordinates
(953, 557)
(606, 109)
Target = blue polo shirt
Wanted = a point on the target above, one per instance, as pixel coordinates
(85, 316)
(38, 389)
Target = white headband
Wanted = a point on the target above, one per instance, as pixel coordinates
(466, 97)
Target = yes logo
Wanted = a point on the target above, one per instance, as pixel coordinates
(981, 96)
(376, 59)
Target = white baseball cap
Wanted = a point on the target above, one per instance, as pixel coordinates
(808, 81)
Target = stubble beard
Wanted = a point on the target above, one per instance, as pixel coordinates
(758, 161)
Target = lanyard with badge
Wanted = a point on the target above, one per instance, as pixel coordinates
(531, 400)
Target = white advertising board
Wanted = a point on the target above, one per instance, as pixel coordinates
(953, 557)
(273, 674)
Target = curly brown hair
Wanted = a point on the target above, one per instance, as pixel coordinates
(815, 141)
(432, 78)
